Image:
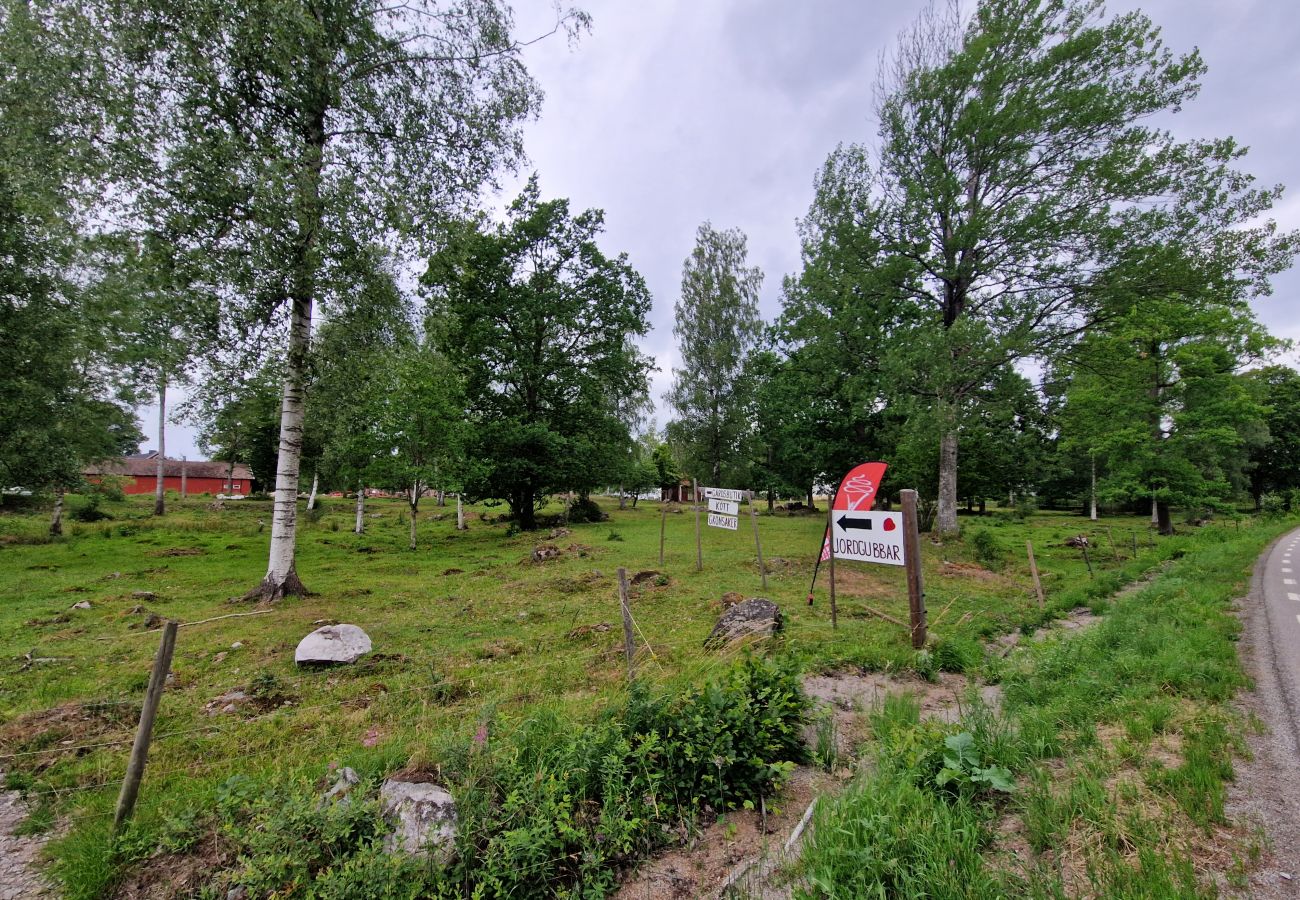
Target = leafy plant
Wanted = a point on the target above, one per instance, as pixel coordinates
(961, 767)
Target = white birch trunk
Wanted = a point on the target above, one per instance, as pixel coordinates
(281, 575)
(185, 487)
(1155, 512)
(315, 484)
(159, 502)
(460, 514)
(415, 509)
(622, 498)
(360, 527)
(1092, 513)
(56, 520)
(945, 521)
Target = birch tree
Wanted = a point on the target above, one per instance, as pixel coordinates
(716, 325)
(286, 134)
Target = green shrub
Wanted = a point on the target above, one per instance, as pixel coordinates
(987, 548)
(584, 509)
(110, 487)
(956, 654)
(90, 511)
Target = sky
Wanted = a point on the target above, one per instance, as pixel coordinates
(673, 112)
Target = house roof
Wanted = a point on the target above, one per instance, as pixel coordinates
(142, 467)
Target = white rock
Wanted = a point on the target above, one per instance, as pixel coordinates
(236, 645)
(84, 604)
(333, 644)
(424, 816)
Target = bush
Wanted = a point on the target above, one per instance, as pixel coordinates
(110, 487)
(584, 509)
(90, 512)
(987, 548)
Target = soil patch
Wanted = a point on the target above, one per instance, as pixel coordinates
(179, 551)
(168, 875)
(50, 735)
(19, 877)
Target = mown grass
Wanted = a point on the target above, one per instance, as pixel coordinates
(1122, 743)
(465, 628)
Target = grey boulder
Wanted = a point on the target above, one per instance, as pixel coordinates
(751, 620)
(333, 644)
(423, 816)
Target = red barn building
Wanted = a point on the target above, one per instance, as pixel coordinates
(183, 476)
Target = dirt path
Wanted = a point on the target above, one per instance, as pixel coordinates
(19, 877)
(1266, 790)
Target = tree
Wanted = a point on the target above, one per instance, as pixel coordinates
(1275, 461)
(1017, 178)
(717, 324)
(423, 425)
(538, 323)
(1155, 396)
(60, 405)
(239, 422)
(284, 136)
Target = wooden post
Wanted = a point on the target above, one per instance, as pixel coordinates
(912, 563)
(663, 522)
(162, 663)
(830, 559)
(629, 642)
(184, 484)
(1033, 570)
(699, 547)
(1111, 537)
(1088, 561)
(753, 517)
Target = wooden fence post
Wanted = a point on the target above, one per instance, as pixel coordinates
(1033, 570)
(629, 642)
(162, 663)
(912, 563)
(699, 547)
(753, 517)
(830, 572)
(663, 522)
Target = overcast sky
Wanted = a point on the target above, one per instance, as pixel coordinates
(671, 112)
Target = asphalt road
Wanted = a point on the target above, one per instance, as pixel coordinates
(1266, 791)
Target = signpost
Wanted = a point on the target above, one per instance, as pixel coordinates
(855, 532)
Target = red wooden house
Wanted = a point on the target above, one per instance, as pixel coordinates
(184, 476)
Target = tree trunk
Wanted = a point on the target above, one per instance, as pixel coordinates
(771, 502)
(1092, 496)
(1163, 520)
(526, 514)
(185, 488)
(460, 513)
(983, 506)
(1155, 512)
(442, 498)
(159, 504)
(230, 475)
(945, 520)
(415, 510)
(622, 498)
(308, 212)
(315, 484)
(360, 527)
(811, 504)
(56, 520)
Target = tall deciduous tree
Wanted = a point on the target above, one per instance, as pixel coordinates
(538, 321)
(1275, 461)
(717, 325)
(285, 134)
(1017, 173)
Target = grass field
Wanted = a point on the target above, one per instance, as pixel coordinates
(466, 629)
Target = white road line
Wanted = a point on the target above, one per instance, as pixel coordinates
(1294, 596)
(1286, 571)
(1288, 581)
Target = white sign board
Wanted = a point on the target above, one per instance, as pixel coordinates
(874, 537)
(725, 494)
(717, 520)
(726, 507)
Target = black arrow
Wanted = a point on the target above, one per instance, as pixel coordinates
(846, 523)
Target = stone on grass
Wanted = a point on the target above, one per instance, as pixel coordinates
(332, 644)
(343, 785)
(751, 620)
(83, 604)
(423, 816)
